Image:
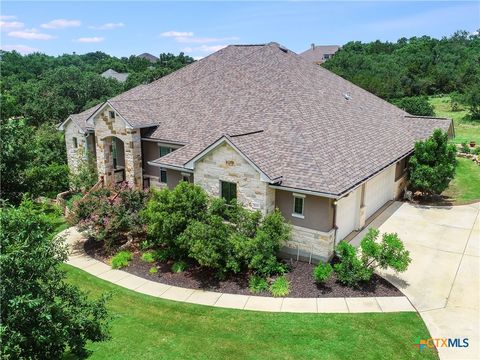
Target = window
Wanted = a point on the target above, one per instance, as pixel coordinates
(165, 150)
(75, 142)
(298, 205)
(111, 114)
(163, 176)
(228, 190)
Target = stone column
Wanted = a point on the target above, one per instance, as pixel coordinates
(104, 160)
(133, 158)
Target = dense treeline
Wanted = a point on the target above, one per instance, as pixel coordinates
(413, 67)
(45, 88)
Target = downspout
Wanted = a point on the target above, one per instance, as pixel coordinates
(335, 202)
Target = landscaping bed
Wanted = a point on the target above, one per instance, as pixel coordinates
(302, 283)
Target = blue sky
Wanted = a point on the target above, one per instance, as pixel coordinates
(199, 28)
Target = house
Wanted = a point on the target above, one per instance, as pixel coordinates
(112, 74)
(261, 124)
(149, 57)
(320, 53)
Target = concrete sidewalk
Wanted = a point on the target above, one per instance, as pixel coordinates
(79, 259)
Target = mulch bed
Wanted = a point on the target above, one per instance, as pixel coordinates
(302, 283)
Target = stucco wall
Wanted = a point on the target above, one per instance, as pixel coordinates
(225, 163)
(150, 152)
(74, 155)
(105, 128)
(318, 211)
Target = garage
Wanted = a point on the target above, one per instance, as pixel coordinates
(379, 190)
(347, 214)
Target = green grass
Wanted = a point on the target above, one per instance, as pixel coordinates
(465, 130)
(145, 327)
(465, 187)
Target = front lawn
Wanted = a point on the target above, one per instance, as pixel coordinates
(465, 131)
(465, 187)
(149, 328)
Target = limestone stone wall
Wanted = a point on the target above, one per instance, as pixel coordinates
(105, 128)
(74, 155)
(225, 163)
(309, 245)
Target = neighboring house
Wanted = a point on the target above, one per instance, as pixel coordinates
(260, 124)
(112, 74)
(149, 57)
(320, 53)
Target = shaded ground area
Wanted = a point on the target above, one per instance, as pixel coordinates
(302, 283)
(144, 327)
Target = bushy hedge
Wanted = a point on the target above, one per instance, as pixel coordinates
(110, 215)
(222, 236)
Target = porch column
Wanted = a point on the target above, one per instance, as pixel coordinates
(133, 158)
(104, 160)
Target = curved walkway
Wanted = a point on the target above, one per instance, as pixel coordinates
(81, 260)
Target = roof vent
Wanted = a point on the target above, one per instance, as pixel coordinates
(347, 96)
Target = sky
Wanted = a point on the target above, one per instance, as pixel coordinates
(198, 28)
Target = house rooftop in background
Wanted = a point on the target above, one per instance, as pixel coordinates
(320, 53)
(112, 74)
(149, 57)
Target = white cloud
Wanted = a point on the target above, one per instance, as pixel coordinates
(22, 49)
(61, 24)
(108, 26)
(204, 48)
(7, 17)
(9, 25)
(94, 39)
(175, 34)
(30, 34)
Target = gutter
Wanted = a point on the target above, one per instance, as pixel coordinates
(171, 167)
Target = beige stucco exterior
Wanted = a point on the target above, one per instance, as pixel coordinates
(226, 164)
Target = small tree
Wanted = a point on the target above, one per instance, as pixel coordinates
(85, 176)
(432, 166)
(41, 314)
(417, 105)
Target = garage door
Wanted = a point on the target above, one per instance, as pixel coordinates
(379, 190)
(347, 213)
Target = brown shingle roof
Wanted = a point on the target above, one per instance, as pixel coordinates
(317, 53)
(316, 130)
(80, 119)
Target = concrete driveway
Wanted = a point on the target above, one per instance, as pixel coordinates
(443, 280)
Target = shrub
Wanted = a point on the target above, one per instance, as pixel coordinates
(85, 176)
(350, 270)
(169, 212)
(162, 255)
(47, 180)
(153, 270)
(416, 105)
(322, 272)
(465, 148)
(389, 253)
(148, 257)
(42, 315)
(280, 287)
(432, 166)
(476, 150)
(257, 284)
(179, 266)
(122, 259)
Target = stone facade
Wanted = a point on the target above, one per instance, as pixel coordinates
(75, 155)
(107, 127)
(226, 164)
(309, 245)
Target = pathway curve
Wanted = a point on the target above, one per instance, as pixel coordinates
(81, 260)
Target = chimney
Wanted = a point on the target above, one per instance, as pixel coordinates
(313, 46)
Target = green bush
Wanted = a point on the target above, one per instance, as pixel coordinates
(432, 166)
(476, 150)
(169, 212)
(85, 176)
(257, 284)
(179, 266)
(416, 105)
(465, 148)
(42, 314)
(280, 287)
(350, 270)
(322, 272)
(162, 255)
(153, 270)
(122, 259)
(47, 180)
(148, 257)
